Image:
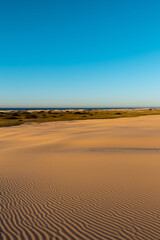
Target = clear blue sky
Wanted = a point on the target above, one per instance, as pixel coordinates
(83, 53)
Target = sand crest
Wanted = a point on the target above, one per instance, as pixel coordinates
(92, 179)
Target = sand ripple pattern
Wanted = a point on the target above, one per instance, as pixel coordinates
(34, 209)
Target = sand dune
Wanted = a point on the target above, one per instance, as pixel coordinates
(92, 179)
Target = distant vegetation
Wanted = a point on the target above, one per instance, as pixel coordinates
(19, 117)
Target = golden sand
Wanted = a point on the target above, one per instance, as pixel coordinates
(92, 179)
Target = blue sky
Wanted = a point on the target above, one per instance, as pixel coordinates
(99, 53)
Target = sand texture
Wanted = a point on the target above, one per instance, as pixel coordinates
(92, 179)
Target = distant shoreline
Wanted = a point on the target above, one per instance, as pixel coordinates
(78, 108)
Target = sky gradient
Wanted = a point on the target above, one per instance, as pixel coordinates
(99, 53)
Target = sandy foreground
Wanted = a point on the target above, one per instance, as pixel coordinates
(92, 179)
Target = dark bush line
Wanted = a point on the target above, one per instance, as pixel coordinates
(11, 118)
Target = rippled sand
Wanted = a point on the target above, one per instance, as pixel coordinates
(92, 179)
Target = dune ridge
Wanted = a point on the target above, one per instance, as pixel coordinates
(97, 179)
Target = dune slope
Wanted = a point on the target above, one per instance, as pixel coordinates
(93, 179)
